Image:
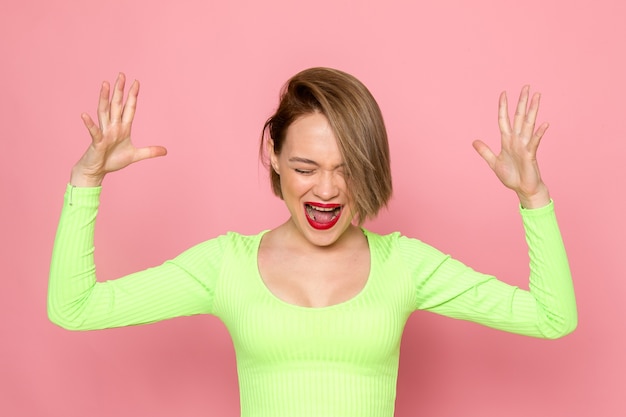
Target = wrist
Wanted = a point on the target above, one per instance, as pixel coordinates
(79, 178)
(538, 199)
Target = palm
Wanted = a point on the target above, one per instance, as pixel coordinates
(111, 147)
(516, 164)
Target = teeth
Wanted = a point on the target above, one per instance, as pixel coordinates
(311, 210)
(322, 208)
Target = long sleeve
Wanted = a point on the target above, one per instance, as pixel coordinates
(446, 286)
(179, 287)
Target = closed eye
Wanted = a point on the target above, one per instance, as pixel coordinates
(303, 171)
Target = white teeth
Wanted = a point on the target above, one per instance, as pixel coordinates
(322, 208)
(311, 210)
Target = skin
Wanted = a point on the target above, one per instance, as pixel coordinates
(299, 264)
(311, 170)
(516, 165)
(111, 148)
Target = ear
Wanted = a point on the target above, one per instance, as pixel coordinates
(273, 156)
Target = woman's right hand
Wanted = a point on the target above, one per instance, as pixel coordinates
(111, 148)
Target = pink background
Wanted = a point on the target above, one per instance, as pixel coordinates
(210, 74)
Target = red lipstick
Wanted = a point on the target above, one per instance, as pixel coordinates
(322, 216)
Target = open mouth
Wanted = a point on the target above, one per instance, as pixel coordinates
(322, 216)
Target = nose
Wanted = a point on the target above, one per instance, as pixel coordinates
(326, 187)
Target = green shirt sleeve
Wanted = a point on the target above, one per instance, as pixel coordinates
(548, 310)
(179, 287)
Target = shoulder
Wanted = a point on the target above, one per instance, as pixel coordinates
(403, 248)
(218, 248)
(394, 240)
(382, 243)
(240, 242)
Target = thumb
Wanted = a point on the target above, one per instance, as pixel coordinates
(149, 152)
(485, 152)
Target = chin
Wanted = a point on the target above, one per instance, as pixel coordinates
(325, 237)
(323, 224)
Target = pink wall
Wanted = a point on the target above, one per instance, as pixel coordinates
(210, 74)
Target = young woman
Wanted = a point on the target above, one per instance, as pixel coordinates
(316, 307)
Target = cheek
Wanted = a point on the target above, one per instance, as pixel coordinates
(345, 188)
(292, 185)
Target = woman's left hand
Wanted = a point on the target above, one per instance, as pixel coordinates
(516, 165)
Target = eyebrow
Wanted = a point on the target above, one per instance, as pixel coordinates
(310, 161)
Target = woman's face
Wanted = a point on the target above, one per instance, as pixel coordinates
(312, 181)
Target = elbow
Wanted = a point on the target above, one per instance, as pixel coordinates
(57, 316)
(563, 328)
(562, 332)
(64, 324)
(58, 319)
(571, 326)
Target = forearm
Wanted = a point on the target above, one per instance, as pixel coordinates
(550, 278)
(72, 268)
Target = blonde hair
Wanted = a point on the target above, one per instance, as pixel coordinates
(357, 123)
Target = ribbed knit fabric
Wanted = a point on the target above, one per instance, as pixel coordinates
(293, 361)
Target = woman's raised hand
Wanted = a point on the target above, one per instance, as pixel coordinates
(516, 165)
(111, 148)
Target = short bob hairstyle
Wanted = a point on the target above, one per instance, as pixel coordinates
(357, 123)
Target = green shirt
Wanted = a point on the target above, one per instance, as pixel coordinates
(340, 360)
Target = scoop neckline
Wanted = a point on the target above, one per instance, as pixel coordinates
(269, 294)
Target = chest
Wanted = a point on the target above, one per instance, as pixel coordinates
(268, 330)
(284, 337)
(314, 281)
